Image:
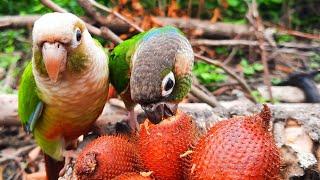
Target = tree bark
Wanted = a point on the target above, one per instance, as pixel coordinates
(206, 28)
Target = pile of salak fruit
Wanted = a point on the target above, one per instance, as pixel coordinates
(238, 148)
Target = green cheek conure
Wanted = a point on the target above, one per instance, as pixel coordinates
(152, 69)
(64, 89)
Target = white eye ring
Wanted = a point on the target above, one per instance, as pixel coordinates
(167, 85)
(75, 42)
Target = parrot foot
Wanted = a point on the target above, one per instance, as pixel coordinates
(68, 156)
(132, 121)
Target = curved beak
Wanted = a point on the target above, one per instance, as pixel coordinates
(158, 111)
(54, 57)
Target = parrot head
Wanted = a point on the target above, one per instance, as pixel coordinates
(161, 72)
(57, 37)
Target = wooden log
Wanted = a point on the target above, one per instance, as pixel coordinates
(307, 114)
(206, 28)
(288, 94)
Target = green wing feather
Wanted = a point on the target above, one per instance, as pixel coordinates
(119, 62)
(29, 104)
(30, 109)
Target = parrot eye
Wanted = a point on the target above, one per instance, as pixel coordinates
(168, 83)
(78, 35)
(76, 38)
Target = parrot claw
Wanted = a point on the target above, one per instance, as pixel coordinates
(132, 121)
(68, 156)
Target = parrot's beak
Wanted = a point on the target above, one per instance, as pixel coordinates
(54, 57)
(158, 111)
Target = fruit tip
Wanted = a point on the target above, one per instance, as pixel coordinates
(265, 114)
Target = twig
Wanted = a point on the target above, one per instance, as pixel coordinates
(202, 93)
(231, 55)
(100, 6)
(9, 79)
(96, 31)
(206, 27)
(198, 93)
(293, 32)
(242, 82)
(17, 21)
(189, 8)
(20, 151)
(227, 42)
(106, 32)
(237, 42)
(91, 11)
(255, 20)
(53, 6)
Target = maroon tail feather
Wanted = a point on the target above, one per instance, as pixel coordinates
(53, 167)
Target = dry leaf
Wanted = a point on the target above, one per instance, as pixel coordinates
(137, 7)
(216, 15)
(224, 4)
(126, 13)
(173, 9)
(123, 36)
(147, 22)
(123, 2)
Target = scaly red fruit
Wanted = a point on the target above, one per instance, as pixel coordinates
(160, 146)
(107, 157)
(132, 176)
(238, 148)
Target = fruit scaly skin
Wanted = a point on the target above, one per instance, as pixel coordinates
(238, 148)
(160, 146)
(107, 157)
(131, 176)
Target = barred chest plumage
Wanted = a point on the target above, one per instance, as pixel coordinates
(74, 102)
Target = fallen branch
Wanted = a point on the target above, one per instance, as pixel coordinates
(293, 32)
(108, 34)
(227, 42)
(9, 110)
(210, 100)
(239, 42)
(241, 81)
(9, 105)
(255, 20)
(284, 93)
(116, 25)
(17, 21)
(206, 28)
(100, 6)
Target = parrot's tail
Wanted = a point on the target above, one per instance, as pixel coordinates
(53, 167)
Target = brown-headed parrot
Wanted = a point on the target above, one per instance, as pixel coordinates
(152, 69)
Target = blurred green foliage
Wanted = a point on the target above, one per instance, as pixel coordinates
(257, 96)
(208, 74)
(250, 69)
